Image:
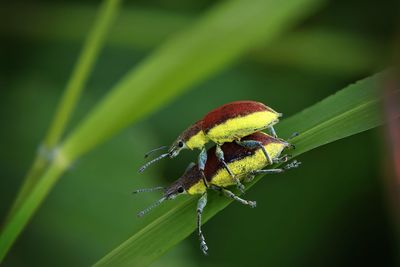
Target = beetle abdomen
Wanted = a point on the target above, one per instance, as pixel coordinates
(235, 120)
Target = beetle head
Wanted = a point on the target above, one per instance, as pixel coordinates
(179, 187)
(192, 137)
(175, 189)
(173, 151)
(177, 147)
(170, 193)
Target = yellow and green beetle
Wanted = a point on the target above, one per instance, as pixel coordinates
(244, 162)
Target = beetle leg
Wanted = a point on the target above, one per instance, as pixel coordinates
(200, 207)
(292, 165)
(272, 131)
(249, 178)
(230, 194)
(255, 144)
(202, 159)
(293, 135)
(267, 171)
(220, 155)
(282, 159)
(191, 164)
(202, 164)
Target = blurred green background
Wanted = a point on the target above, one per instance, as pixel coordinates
(333, 211)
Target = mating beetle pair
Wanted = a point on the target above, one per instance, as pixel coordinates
(228, 123)
(240, 153)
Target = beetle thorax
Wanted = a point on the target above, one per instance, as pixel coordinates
(194, 136)
(189, 179)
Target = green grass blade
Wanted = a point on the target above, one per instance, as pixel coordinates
(84, 65)
(322, 49)
(360, 102)
(70, 23)
(73, 90)
(352, 110)
(312, 48)
(28, 206)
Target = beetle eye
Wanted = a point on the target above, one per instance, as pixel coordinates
(180, 144)
(180, 190)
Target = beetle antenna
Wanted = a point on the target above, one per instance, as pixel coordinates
(141, 190)
(155, 204)
(154, 150)
(152, 161)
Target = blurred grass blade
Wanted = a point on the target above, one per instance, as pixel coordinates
(71, 20)
(222, 35)
(323, 49)
(84, 65)
(215, 40)
(82, 69)
(350, 111)
(313, 48)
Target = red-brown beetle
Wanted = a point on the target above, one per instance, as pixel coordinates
(244, 162)
(228, 123)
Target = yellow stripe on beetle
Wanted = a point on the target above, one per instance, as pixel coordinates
(240, 168)
(239, 127)
(197, 141)
(197, 188)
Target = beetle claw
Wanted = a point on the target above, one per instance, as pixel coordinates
(293, 164)
(252, 204)
(203, 245)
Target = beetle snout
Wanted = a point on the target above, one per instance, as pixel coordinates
(174, 151)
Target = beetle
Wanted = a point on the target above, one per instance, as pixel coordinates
(244, 162)
(228, 123)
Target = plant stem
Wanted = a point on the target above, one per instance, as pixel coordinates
(81, 72)
(73, 90)
(31, 202)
